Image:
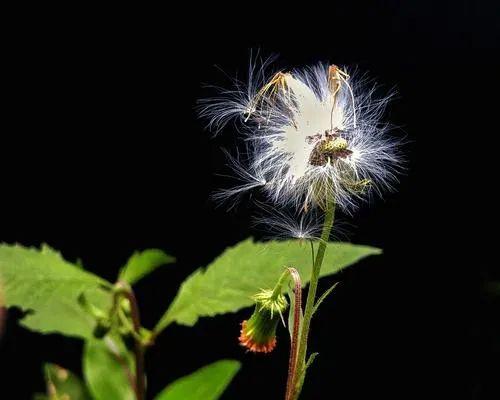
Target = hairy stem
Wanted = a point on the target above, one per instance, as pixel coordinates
(292, 361)
(311, 298)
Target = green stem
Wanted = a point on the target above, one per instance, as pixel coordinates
(278, 288)
(140, 384)
(128, 325)
(113, 349)
(311, 297)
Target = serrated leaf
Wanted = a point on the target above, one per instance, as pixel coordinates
(44, 284)
(207, 383)
(63, 384)
(106, 367)
(142, 263)
(230, 281)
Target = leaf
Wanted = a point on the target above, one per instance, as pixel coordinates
(323, 297)
(302, 374)
(63, 384)
(311, 359)
(207, 383)
(228, 283)
(44, 284)
(142, 263)
(104, 369)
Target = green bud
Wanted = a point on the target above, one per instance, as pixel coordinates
(258, 334)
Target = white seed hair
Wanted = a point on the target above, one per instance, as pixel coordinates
(284, 116)
(248, 178)
(283, 224)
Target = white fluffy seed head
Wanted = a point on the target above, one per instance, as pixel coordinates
(314, 134)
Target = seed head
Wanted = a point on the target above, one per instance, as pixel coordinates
(313, 134)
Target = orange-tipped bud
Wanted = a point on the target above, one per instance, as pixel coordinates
(258, 334)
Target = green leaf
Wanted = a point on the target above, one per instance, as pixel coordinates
(230, 281)
(43, 283)
(142, 263)
(107, 366)
(63, 384)
(323, 297)
(40, 396)
(207, 383)
(311, 359)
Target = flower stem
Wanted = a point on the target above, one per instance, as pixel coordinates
(113, 349)
(140, 382)
(311, 297)
(292, 361)
(279, 286)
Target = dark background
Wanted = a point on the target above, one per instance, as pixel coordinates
(102, 154)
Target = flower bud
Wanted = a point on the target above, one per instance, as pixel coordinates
(258, 334)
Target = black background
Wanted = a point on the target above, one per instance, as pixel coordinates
(102, 154)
